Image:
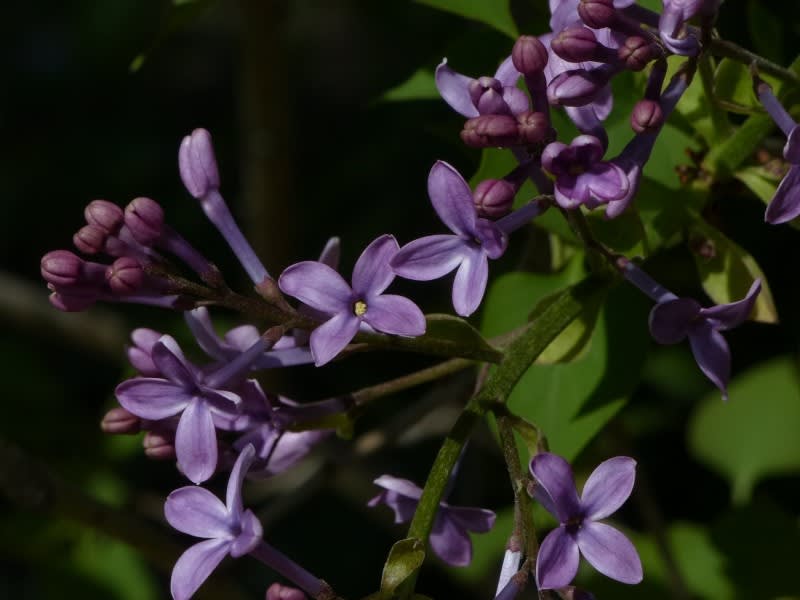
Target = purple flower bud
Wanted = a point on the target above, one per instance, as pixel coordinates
(494, 198)
(159, 446)
(120, 421)
(576, 44)
(647, 116)
(72, 303)
(637, 52)
(577, 87)
(281, 592)
(125, 276)
(90, 239)
(61, 267)
(478, 87)
(145, 220)
(597, 14)
(103, 214)
(488, 131)
(197, 163)
(534, 128)
(140, 354)
(529, 55)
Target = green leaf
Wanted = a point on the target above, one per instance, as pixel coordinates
(420, 86)
(663, 217)
(458, 331)
(728, 274)
(762, 183)
(733, 84)
(625, 234)
(755, 433)
(495, 13)
(405, 557)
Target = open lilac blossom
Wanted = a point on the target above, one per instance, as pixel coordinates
(473, 242)
(785, 205)
(673, 319)
(351, 308)
(228, 528)
(470, 97)
(582, 177)
(579, 531)
(673, 28)
(450, 535)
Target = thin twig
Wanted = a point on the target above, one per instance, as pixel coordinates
(730, 50)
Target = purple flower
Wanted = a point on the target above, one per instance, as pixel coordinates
(475, 240)
(785, 205)
(483, 96)
(672, 27)
(350, 308)
(450, 535)
(229, 528)
(276, 450)
(581, 176)
(579, 532)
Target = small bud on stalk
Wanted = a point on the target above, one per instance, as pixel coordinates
(529, 55)
(489, 131)
(120, 421)
(647, 116)
(103, 214)
(494, 198)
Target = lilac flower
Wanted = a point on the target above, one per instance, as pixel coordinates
(450, 535)
(277, 450)
(581, 176)
(672, 27)
(580, 531)
(350, 308)
(485, 95)
(473, 242)
(229, 528)
(785, 205)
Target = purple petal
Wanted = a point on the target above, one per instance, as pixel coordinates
(404, 487)
(610, 552)
(712, 355)
(791, 151)
(429, 257)
(331, 337)
(233, 495)
(243, 337)
(292, 447)
(607, 181)
(479, 520)
(331, 253)
(151, 398)
(670, 321)
(169, 359)
(571, 191)
(372, 273)
(196, 442)
(450, 542)
(554, 474)
(198, 512)
(603, 103)
(507, 73)
(452, 199)
(493, 241)
(608, 487)
(250, 536)
(728, 316)
(401, 495)
(195, 565)
(557, 562)
(454, 90)
(470, 282)
(199, 321)
(550, 157)
(317, 285)
(516, 100)
(395, 314)
(785, 205)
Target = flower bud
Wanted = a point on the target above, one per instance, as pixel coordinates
(494, 198)
(576, 87)
(145, 220)
(534, 128)
(61, 268)
(72, 303)
(90, 239)
(281, 592)
(120, 421)
(597, 14)
(478, 87)
(529, 55)
(647, 116)
(103, 214)
(576, 44)
(637, 52)
(159, 446)
(197, 163)
(125, 276)
(490, 131)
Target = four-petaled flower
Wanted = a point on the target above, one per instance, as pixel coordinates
(350, 308)
(579, 531)
(475, 240)
(229, 528)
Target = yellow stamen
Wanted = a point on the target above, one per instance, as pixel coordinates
(360, 308)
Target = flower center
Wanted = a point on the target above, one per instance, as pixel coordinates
(359, 308)
(576, 169)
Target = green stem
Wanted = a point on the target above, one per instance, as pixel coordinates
(730, 50)
(719, 119)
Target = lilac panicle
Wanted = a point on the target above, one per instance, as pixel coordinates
(350, 308)
(228, 528)
(473, 242)
(579, 531)
(450, 535)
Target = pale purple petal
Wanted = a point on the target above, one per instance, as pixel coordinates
(233, 495)
(331, 253)
(196, 442)
(243, 337)
(429, 257)
(292, 447)
(317, 285)
(151, 398)
(712, 355)
(507, 73)
(493, 240)
(610, 552)
(728, 316)
(550, 158)
(608, 487)
(557, 561)
(603, 103)
(250, 536)
(372, 273)
(401, 495)
(199, 321)
(791, 151)
(450, 542)
(454, 90)
(395, 314)
(195, 565)
(469, 284)
(554, 474)
(198, 512)
(670, 321)
(516, 100)
(607, 181)
(785, 205)
(402, 486)
(571, 191)
(452, 199)
(331, 337)
(479, 520)
(173, 365)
